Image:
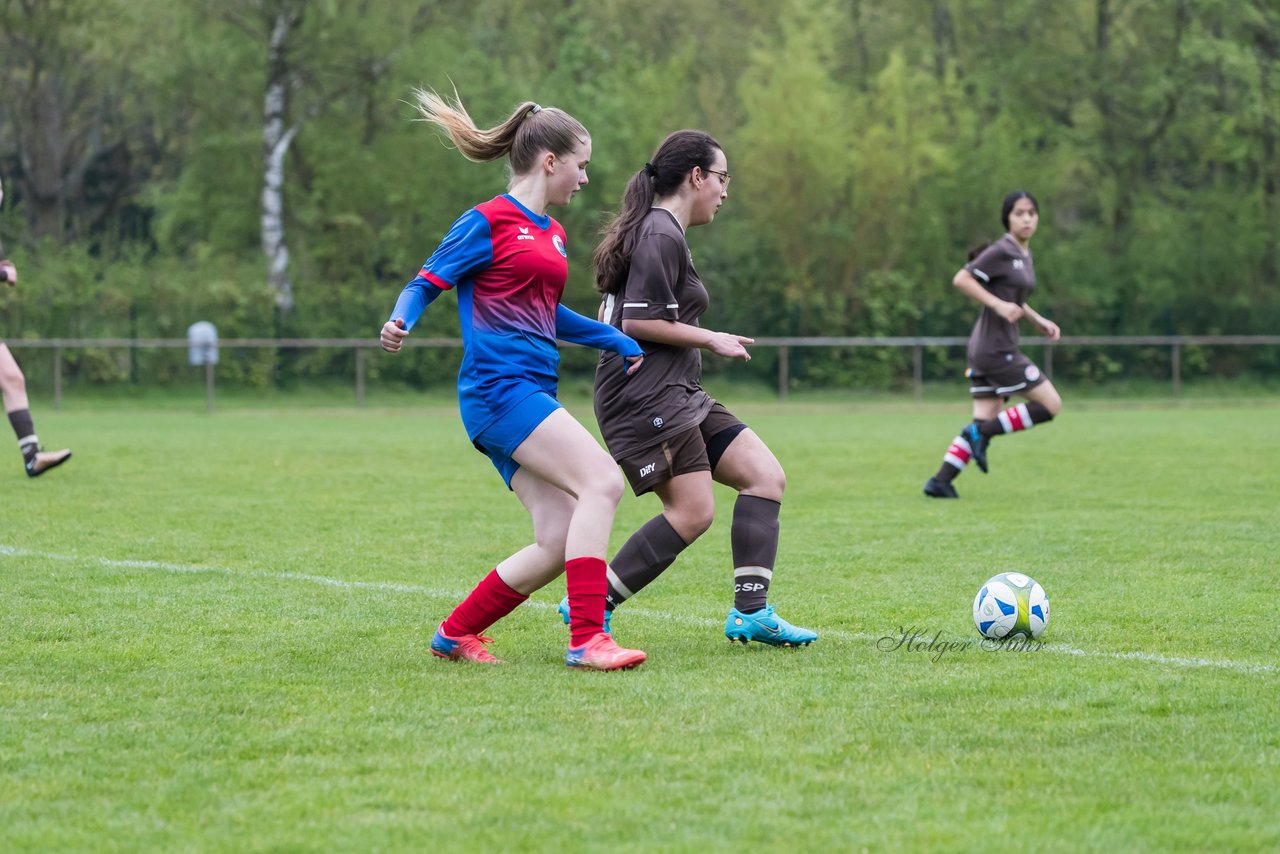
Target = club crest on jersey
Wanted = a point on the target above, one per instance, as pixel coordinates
(559, 244)
(657, 423)
(524, 233)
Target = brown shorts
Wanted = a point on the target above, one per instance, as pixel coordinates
(1010, 373)
(697, 449)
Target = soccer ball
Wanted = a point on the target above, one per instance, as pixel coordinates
(1011, 604)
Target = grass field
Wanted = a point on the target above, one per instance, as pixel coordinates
(213, 632)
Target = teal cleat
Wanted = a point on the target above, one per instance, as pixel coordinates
(764, 626)
(977, 444)
(564, 615)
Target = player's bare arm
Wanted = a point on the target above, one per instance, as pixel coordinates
(1050, 329)
(973, 289)
(679, 334)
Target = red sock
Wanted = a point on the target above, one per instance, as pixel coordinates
(492, 600)
(585, 578)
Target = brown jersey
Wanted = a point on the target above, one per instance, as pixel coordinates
(1004, 268)
(665, 396)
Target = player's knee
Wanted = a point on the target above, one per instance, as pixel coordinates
(11, 379)
(551, 547)
(606, 482)
(694, 519)
(770, 482)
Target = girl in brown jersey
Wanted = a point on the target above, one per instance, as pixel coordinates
(666, 433)
(1000, 277)
(13, 389)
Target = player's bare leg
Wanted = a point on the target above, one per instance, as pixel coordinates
(562, 453)
(13, 389)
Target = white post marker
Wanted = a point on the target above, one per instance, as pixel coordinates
(202, 349)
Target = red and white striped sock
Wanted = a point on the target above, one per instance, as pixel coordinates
(492, 600)
(959, 454)
(1024, 416)
(955, 459)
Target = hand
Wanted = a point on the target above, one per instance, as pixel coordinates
(730, 345)
(1010, 311)
(393, 335)
(633, 363)
(8, 272)
(1050, 329)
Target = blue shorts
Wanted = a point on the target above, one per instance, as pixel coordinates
(501, 438)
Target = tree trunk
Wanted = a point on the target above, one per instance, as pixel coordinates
(276, 140)
(944, 37)
(1267, 46)
(44, 161)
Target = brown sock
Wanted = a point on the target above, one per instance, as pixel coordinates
(642, 558)
(25, 430)
(754, 538)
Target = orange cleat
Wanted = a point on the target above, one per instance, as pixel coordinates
(602, 653)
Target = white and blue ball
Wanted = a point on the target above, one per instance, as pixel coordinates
(1010, 605)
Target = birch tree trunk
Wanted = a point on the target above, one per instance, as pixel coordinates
(276, 140)
(1267, 48)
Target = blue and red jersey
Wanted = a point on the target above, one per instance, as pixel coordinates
(509, 267)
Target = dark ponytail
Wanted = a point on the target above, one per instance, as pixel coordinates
(977, 250)
(660, 177)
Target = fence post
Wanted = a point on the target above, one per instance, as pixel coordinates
(359, 377)
(784, 370)
(57, 378)
(1175, 358)
(208, 386)
(1048, 360)
(917, 367)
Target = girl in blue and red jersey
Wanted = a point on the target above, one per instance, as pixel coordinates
(508, 261)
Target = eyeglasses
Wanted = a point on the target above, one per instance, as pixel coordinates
(725, 177)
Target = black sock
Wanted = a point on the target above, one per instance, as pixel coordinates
(946, 473)
(25, 430)
(642, 558)
(1024, 416)
(754, 539)
(1039, 412)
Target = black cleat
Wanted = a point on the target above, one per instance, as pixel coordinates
(977, 444)
(935, 488)
(45, 460)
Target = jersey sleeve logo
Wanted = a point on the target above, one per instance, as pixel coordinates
(559, 244)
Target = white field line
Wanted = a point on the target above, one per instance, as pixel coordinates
(683, 619)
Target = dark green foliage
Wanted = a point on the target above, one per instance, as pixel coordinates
(870, 142)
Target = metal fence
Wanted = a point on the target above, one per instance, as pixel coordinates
(784, 346)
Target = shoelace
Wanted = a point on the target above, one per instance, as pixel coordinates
(465, 642)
